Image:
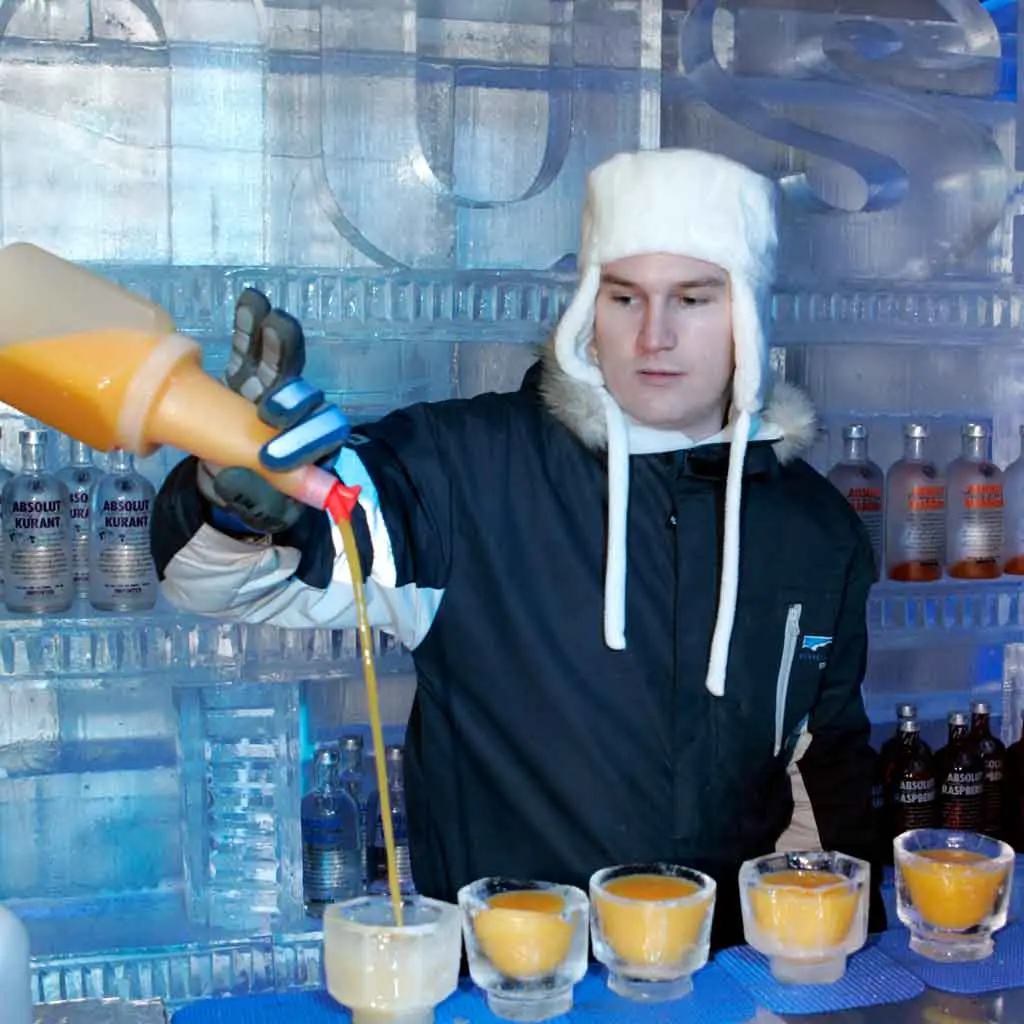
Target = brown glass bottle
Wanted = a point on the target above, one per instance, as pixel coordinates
(960, 778)
(882, 789)
(912, 796)
(1014, 791)
(993, 763)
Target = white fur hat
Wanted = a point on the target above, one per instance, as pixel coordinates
(689, 203)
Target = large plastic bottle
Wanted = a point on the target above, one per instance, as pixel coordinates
(108, 368)
(15, 971)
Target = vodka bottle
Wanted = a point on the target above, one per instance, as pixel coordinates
(861, 482)
(993, 762)
(5, 475)
(37, 534)
(353, 778)
(912, 790)
(974, 509)
(961, 778)
(80, 476)
(378, 853)
(915, 512)
(332, 862)
(122, 576)
(1013, 514)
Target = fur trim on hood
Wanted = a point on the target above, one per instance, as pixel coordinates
(580, 408)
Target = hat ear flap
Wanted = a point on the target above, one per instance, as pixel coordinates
(750, 347)
(576, 330)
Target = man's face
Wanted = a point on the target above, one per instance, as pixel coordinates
(663, 340)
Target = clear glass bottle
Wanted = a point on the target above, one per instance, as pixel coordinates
(37, 534)
(974, 509)
(80, 476)
(353, 778)
(332, 860)
(1013, 514)
(5, 475)
(122, 576)
(915, 512)
(378, 854)
(862, 483)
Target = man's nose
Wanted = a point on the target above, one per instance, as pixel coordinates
(657, 334)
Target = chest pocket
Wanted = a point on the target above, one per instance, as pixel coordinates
(807, 640)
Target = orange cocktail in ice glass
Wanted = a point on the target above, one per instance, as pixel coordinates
(651, 927)
(526, 943)
(806, 911)
(952, 891)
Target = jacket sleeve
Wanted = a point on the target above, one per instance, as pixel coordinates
(301, 577)
(834, 774)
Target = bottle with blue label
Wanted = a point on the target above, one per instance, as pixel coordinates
(332, 859)
(80, 476)
(378, 855)
(353, 778)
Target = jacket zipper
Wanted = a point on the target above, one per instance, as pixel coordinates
(790, 637)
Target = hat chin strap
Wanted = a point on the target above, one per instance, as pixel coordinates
(618, 512)
(729, 587)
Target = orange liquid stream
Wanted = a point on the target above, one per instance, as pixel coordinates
(373, 701)
(523, 933)
(801, 911)
(950, 890)
(640, 927)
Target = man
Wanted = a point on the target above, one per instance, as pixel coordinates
(571, 714)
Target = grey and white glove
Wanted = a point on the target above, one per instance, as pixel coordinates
(268, 352)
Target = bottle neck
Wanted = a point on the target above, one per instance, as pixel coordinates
(856, 449)
(980, 723)
(33, 458)
(326, 776)
(957, 734)
(913, 449)
(122, 461)
(975, 449)
(81, 454)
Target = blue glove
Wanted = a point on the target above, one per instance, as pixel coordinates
(268, 354)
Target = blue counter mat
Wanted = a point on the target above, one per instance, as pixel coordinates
(871, 979)
(1003, 969)
(716, 999)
